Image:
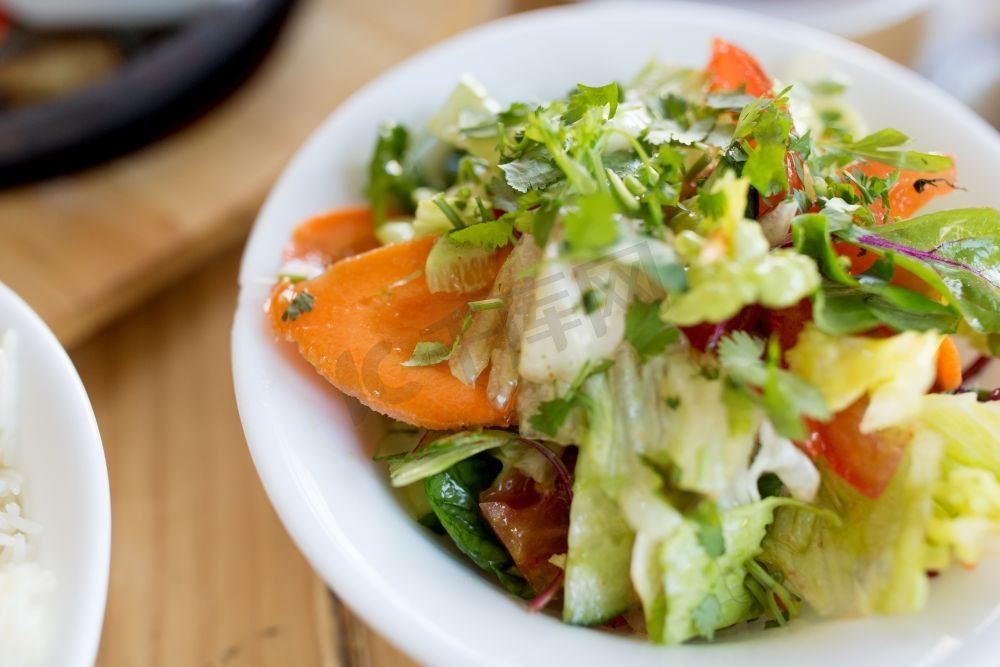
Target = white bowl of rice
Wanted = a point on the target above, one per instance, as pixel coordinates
(55, 510)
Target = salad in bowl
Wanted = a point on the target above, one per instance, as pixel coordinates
(669, 356)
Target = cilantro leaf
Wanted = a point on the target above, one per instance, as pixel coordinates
(591, 225)
(486, 235)
(785, 397)
(428, 354)
(530, 173)
(765, 167)
(552, 414)
(884, 146)
(301, 304)
(740, 354)
(588, 97)
(710, 534)
(644, 329)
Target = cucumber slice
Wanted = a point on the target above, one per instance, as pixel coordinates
(597, 586)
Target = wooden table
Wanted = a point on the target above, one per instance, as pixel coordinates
(134, 265)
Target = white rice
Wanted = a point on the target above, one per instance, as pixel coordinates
(25, 587)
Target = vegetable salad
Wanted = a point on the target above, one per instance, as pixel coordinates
(672, 355)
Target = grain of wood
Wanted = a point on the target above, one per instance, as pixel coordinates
(202, 571)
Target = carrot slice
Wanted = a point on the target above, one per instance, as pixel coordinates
(913, 190)
(332, 236)
(949, 366)
(367, 314)
(731, 68)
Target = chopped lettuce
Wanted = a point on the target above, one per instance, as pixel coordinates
(895, 372)
(966, 516)
(873, 559)
(685, 590)
(711, 432)
(597, 586)
(468, 120)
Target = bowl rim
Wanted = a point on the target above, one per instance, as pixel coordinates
(856, 20)
(85, 636)
(286, 481)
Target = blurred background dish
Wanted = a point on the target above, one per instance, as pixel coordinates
(60, 456)
(848, 18)
(72, 97)
(56, 14)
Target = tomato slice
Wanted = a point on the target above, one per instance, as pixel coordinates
(788, 323)
(866, 461)
(532, 522)
(731, 68)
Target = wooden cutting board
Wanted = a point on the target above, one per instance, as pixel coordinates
(85, 248)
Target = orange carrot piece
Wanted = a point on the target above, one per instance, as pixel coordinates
(731, 68)
(913, 190)
(949, 366)
(368, 313)
(332, 236)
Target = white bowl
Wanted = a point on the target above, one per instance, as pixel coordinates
(66, 488)
(311, 446)
(848, 18)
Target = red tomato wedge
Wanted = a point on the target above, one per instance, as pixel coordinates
(730, 68)
(531, 522)
(866, 461)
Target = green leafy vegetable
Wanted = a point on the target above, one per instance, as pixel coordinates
(530, 173)
(301, 304)
(884, 146)
(957, 252)
(552, 414)
(428, 353)
(486, 235)
(644, 329)
(587, 97)
(591, 227)
(765, 167)
(846, 304)
(873, 559)
(454, 498)
(442, 454)
(390, 185)
(786, 397)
